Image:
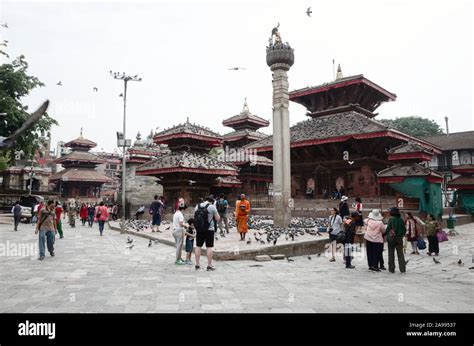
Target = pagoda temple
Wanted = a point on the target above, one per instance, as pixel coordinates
(418, 187)
(189, 171)
(79, 179)
(464, 186)
(342, 144)
(255, 171)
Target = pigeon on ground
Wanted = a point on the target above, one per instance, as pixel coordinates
(308, 11)
(275, 241)
(436, 261)
(319, 255)
(460, 262)
(130, 247)
(471, 268)
(167, 228)
(262, 242)
(309, 257)
(249, 241)
(129, 240)
(149, 243)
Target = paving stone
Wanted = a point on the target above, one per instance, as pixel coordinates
(262, 258)
(277, 257)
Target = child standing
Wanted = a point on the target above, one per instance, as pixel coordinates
(190, 234)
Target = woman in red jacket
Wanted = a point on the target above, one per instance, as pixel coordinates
(101, 215)
(83, 214)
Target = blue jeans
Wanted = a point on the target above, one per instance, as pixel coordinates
(47, 236)
(90, 219)
(101, 225)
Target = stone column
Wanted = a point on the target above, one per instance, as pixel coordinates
(280, 58)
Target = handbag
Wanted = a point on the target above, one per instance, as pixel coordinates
(442, 236)
(341, 237)
(421, 243)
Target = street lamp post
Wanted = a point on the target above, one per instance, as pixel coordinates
(121, 139)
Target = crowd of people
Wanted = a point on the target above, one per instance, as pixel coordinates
(346, 226)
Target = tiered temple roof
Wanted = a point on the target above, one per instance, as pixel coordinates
(466, 180)
(338, 128)
(143, 150)
(80, 164)
(343, 94)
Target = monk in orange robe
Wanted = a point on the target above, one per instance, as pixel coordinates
(242, 211)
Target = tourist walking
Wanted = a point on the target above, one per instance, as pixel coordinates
(349, 226)
(374, 239)
(71, 211)
(221, 206)
(432, 228)
(395, 232)
(358, 209)
(412, 232)
(190, 233)
(90, 214)
(16, 211)
(242, 211)
(156, 209)
(101, 215)
(178, 232)
(59, 226)
(114, 211)
(46, 228)
(83, 214)
(343, 207)
(335, 227)
(205, 217)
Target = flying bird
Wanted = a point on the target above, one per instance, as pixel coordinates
(236, 68)
(308, 11)
(59, 83)
(436, 261)
(121, 95)
(95, 89)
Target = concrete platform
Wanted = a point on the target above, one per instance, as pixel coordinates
(231, 248)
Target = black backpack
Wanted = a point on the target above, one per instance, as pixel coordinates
(201, 218)
(221, 207)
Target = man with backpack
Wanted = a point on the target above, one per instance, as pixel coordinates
(205, 218)
(221, 206)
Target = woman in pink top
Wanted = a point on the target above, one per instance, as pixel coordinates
(101, 215)
(374, 239)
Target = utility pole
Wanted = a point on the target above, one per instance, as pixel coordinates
(121, 137)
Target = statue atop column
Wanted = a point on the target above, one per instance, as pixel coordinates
(277, 51)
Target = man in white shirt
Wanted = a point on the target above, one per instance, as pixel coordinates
(178, 232)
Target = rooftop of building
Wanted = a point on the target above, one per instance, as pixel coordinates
(187, 161)
(338, 128)
(80, 175)
(188, 130)
(453, 141)
(246, 118)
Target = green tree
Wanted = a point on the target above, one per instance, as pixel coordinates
(15, 83)
(415, 126)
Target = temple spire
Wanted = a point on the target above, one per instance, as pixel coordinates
(339, 72)
(245, 109)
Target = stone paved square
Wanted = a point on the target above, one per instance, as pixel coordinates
(94, 274)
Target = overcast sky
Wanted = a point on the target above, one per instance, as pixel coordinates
(419, 50)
